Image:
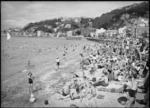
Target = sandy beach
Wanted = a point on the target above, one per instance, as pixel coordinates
(42, 53)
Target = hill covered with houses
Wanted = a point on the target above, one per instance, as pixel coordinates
(111, 23)
(120, 17)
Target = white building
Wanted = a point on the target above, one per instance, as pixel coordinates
(99, 31)
(68, 26)
(69, 33)
(40, 33)
(122, 31)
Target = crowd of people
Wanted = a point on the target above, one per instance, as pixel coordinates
(104, 63)
(122, 63)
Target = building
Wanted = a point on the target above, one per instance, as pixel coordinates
(69, 33)
(39, 33)
(140, 26)
(111, 33)
(99, 32)
(59, 34)
(87, 31)
(122, 31)
(138, 31)
(142, 22)
(68, 26)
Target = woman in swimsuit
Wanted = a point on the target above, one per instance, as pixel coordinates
(30, 80)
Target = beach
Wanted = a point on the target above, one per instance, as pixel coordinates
(42, 53)
(14, 61)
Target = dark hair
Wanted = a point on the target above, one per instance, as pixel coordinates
(129, 77)
(84, 77)
(46, 102)
(110, 71)
(77, 89)
(93, 79)
(30, 74)
(134, 76)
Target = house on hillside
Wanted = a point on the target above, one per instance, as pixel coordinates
(138, 31)
(77, 20)
(87, 31)
(68, 26)
(62, 25)
(140, 26)
(15, 33)
(39, 33)
(141, 22)
(69, 33)
(59, 34)
(122, 31)
(92, 34)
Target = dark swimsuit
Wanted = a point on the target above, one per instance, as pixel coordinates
(58, 63)
(30, 81)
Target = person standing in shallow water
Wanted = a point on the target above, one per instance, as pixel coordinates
(57, 62)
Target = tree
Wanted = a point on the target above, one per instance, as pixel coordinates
(75, 26)
(78, 32)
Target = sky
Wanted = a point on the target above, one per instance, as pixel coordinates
(19, 14)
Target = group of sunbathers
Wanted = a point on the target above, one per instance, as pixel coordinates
(103, 63)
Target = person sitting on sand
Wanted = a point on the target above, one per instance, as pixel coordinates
(66, 89)
(75, 90)
(78, 93)
(103, 81)
(30, 79)
(91, 90)
(110, 75)
(65, 92)
(132, 90)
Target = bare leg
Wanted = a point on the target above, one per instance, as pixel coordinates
(130, 102)
(31, 88)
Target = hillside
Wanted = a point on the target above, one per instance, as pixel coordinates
(111, 20)
(114, 19)
(60, 24)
